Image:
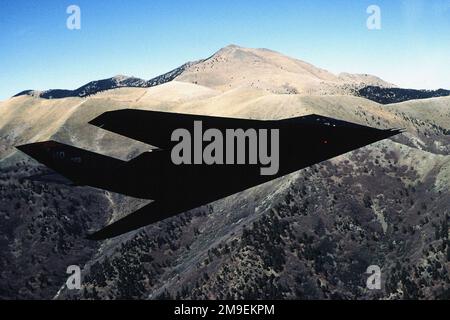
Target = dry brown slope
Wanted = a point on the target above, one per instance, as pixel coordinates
(234, 66)
(400, 165)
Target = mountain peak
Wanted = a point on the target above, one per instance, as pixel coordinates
(236, 66)
(121, 77)
(261, 69)
(231, 46)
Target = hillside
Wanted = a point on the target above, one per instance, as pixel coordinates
(394, 95)
(94, 87)
(308, 235)
(234, 67)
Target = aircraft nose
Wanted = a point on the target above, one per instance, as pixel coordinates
(378, 134)
(351, 137)
(372, 134)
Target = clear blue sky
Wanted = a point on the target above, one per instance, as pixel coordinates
(145, 38)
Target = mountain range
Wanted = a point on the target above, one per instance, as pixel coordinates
(308, 235)
(289, 76)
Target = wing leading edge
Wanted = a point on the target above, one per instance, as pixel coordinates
(155, 127)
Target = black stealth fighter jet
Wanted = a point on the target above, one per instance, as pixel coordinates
(178, 187)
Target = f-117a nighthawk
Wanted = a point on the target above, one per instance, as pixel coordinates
(181, 185)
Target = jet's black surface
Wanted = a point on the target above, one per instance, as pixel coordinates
(303, 141)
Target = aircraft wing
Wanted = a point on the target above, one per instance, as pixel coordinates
(148, 214)
(155, 128)
(304, 141)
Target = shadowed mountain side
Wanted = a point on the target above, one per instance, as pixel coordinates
(94, 87)
(395, 95)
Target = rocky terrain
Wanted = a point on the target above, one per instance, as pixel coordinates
(269, 71)
(394, 95)
(309, 235)
(94, 87)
